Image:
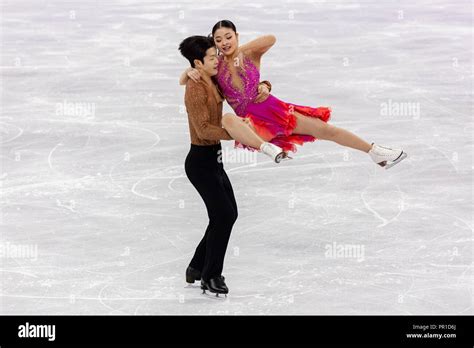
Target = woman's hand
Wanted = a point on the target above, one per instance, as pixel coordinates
(194, 74)
(263, 93)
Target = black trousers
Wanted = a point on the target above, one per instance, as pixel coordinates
(206, 172)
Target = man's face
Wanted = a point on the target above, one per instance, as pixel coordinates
(210, 62)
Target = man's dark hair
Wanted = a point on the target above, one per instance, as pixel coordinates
(195, 47)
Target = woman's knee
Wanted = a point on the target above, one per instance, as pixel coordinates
(228, 120)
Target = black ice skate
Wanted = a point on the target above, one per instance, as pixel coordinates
(215, 285)
(192, 275)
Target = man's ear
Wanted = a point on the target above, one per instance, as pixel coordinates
(197, 63)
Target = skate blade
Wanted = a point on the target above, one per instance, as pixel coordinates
(398, 160)
(282, 157)
(191, 286)
(213, 295)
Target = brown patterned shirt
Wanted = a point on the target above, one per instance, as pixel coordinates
(204, 108)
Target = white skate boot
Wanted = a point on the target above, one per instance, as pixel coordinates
(274, 152)
(385, 156)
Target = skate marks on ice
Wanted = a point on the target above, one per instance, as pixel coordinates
(115, 221)
(9, 132)
(273, 238)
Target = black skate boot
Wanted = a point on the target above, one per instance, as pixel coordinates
(192, 274)
(215, 285)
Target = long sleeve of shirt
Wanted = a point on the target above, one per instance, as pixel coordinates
(204, 114)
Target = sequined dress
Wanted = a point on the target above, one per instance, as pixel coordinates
(272, 118)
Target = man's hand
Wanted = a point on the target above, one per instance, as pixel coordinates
(194, 74)
(263, 93)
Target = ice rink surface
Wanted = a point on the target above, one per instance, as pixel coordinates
(98, 217)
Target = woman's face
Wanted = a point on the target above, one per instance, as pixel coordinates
(226, 40)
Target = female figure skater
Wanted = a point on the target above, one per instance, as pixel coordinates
(280, 123)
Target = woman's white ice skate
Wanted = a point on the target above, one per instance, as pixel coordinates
(386, 157)
(274, 152)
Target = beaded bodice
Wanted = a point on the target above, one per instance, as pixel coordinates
(239, 98)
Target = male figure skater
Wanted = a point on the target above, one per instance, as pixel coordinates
(203, 166)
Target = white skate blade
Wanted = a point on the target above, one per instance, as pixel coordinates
(398, 160)
(213, 295)
(192, 286)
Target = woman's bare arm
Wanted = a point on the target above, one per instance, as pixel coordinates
(184, 77)
(259, 46)
(189, 73)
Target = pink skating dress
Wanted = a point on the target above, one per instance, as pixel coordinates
(272, 118)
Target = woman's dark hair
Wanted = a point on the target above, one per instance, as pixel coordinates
(223, 24)
(195, 47)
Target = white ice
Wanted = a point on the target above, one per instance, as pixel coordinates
(98, 217)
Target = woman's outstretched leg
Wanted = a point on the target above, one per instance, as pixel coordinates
(325, 131)
(382, 155)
